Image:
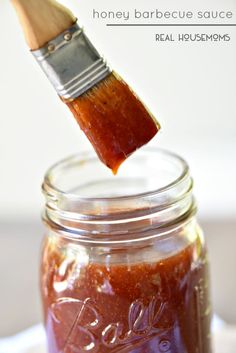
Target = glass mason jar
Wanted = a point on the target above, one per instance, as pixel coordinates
(124, 265)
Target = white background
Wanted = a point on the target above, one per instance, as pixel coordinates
(190, 87)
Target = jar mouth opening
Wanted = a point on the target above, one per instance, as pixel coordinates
(153, 190)
(52, 188)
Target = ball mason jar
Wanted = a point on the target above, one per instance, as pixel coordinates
(124, 265)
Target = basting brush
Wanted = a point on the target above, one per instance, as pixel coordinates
(111, 115)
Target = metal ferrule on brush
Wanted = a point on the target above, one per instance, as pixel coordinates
(71, 63)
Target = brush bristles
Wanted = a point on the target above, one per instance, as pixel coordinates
(114, 120)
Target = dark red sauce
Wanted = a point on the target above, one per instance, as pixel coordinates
(114, 120)
(149, 307)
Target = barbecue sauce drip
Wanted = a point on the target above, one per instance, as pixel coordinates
(114, 120)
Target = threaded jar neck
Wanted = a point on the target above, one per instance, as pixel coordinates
(151, 195)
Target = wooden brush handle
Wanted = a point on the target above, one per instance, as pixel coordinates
(42, 20)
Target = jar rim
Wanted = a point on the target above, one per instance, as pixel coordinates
(53, 190)
(146, 212)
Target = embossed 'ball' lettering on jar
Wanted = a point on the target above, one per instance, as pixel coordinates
(124, 265)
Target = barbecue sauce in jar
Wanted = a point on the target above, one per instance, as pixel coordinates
(128, 274)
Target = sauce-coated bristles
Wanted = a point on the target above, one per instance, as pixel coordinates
(114, 120)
